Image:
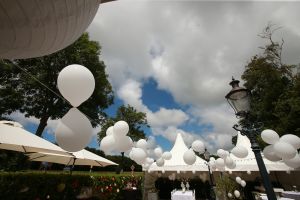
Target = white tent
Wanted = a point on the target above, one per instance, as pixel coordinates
(14, 137)
(176, 163)
(249, 163)
(82, 157)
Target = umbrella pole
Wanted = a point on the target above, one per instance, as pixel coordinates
(71, 170)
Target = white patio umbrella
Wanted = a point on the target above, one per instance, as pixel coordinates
(82, 157)
(14, 137)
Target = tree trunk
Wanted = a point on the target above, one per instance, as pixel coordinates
(42, 125)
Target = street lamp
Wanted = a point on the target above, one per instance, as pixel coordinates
(206, 155)
(239, 100)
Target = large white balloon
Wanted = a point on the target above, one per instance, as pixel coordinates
(237, 194)
(284, 150)
(160, 162)
(142, 143)
(158, 152)
(198, 146)
(123, 143)
(149, 160)
(189, 157)
(270, 154)
(294, 162)
(107, 143)
(121, 128)
(269, 136)
(167, 155)
(291, 139)
(76, 84)
(110, 130)
(74, 131)
(239, 151)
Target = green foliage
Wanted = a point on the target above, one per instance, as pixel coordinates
(275, 99)
(224, 185)
(63, 186)
(20, 91)
(136, 121)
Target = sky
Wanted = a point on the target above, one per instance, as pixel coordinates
(174, 60)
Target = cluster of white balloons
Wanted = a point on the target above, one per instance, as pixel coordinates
(240, 181)
(116, 138)
(189, 156)
(74, 131)
(236, 193)
(284, 148)
(223, 160)
(141, 154)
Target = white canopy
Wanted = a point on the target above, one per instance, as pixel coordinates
(82, 157)
(14, 137)
(249, 163)
(177, 163)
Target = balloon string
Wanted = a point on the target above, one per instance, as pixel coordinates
(36, 79)
(33, 77)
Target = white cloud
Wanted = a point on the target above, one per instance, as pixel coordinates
(191, 49)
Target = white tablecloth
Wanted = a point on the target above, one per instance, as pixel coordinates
(179, 195)
(291, 194)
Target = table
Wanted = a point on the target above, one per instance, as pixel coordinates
(179, 195)
(291, 194)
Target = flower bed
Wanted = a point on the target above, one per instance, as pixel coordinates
(64, 186)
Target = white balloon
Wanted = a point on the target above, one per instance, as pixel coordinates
(110, 130)
(270, 154)
(74, 131)
(229, 195)
(107, 143)
(221, 153)
(193, 171)
(239, 151)
(178, 171)
(123, 143)
(149, 160)
(142, 143)
(230, 172)
(212, 158)
(291, 139)
(284, 150)
(198, 146)
(167, 155)
(228, 161)
(238, 179)
(189, 157)
(76, 84)
(248, 172)
(212, 163)
(237, 194)
(163, 171)
(243, 183)
(294, 162)
(160, 162)
(220, 164)
(269, 136)
(232, 165)
(138, 155)
(158, 152)
(121, 128)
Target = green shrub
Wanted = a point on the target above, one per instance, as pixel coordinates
(40, 186)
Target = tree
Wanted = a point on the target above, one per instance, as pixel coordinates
(275, 100)
(136, 121)
(30, 85)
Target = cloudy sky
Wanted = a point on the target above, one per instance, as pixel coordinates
(174, 60)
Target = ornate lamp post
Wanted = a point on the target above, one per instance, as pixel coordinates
(206, 155)
(239, 100)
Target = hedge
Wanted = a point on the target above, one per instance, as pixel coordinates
(40, 186)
